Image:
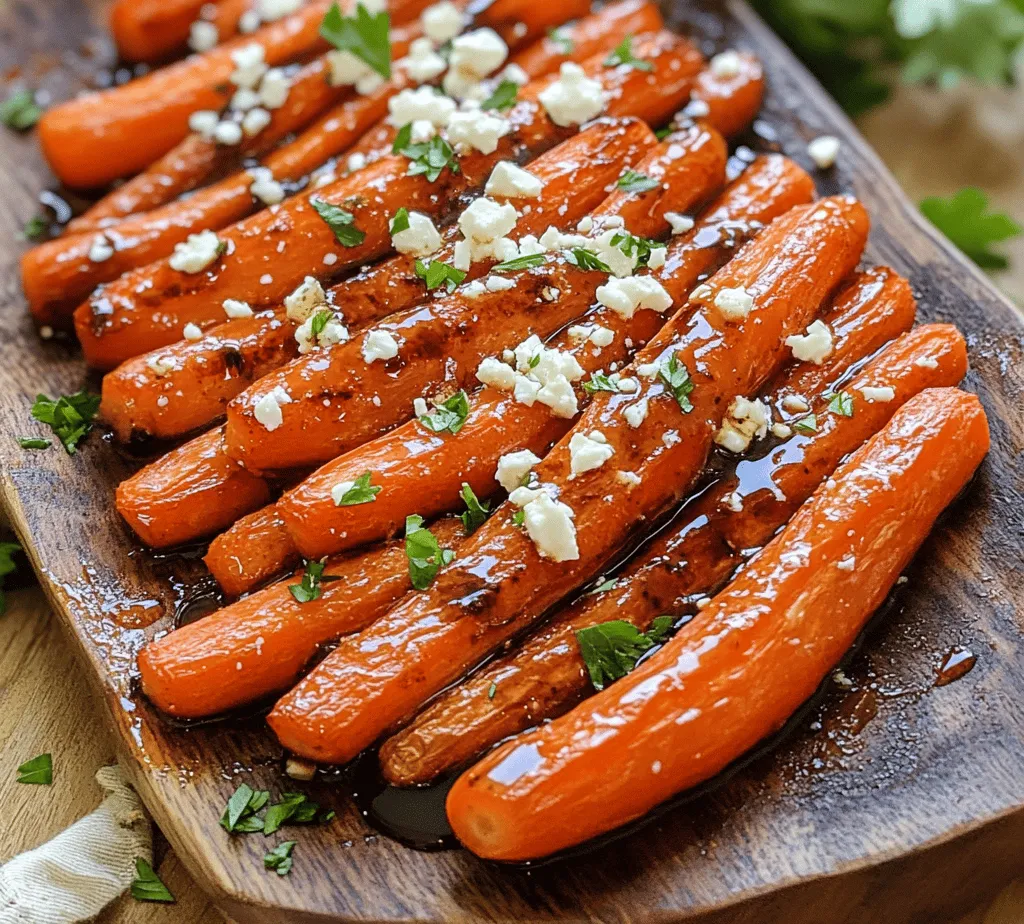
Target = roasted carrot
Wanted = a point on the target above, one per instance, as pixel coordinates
(691, 559)
(501, 582)
(259, 645)
(339, 401)
(758, 651)
(148, 30)
(148, 308)
(208, 373)
(99, 137)
(204, 488)
(255, 549)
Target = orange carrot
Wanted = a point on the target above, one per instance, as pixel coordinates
(733, 677)
(501, 582)
(148, 30)
(193, 490)
(148, 308)
(259, 645)
(249, 554)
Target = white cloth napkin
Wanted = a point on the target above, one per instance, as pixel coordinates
(85, 867)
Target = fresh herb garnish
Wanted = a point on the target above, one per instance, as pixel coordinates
(600, 382)
(623, 54)
(34, 442)
(7, 566)
(20, 111)
(491, 690)
(503, 97)
(677, 377)
(318, 322)
(610, 584)
(586, 260)
(147, 885)
(449, 416)
(294, 808)
(963, 219)
(366, 35)
(426, 157)
(519, 518)
(313, 578)
(808, 424)
(611, 649)
(476, 512)
(240, 813)
(527, 261)
(662, 133)
(401, 221)
(280, 858)
(37, 771)
(436, 274)
(632, 181)
(639, 248)
(561, 40)
(35, 228)
(340, 221)
(361, 492)
(841, 403)
(70, 416)
(426, 557)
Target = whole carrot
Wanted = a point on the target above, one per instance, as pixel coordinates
(706, 357)
(758, 651)
(259, 645)
(255, 549)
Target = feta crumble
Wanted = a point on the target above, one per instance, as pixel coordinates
(726, 64)
(264, 187)
(420, 239)
(573, 98)
(512, 182)
(678, 222)
(196, 252)
(442, 21)
(745, 421)
(379, 344)
(624, 296)
(824, 151)
(236, 309)
(588, 451)
(308, 298)
(267, 410)
(100, 250)
(734, 304)
(549, 524)
(814, 346)
(513, 467)
(882, 394)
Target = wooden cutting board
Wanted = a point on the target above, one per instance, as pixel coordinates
(878, 772)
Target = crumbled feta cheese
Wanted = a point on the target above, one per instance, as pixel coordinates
(244, 99)
(333, 332)
(745, 421)
(249, 22)
(882, 394)
(824, 151)
(726, 64)
(340, 490)
(625, 296)
(513, 182)
(204, 122)
(926, 362)
(485, 221)
(795, 404)
(355, 162)
(419, 407)
(379, 344)
(499, 283)
(513, 467)
(515, 74)
(264, 187)
(442, 21)
(657, 257)
(734, 502)
(549, 524)
(782, 431)
(236, 309)
(477, 129)
(254, 121)
(100, 250)
(272, 10)
(602, 336)
(267, 410)
(588, 451)
(629, 479)
(679, 223)
(558, 395)
(228, 133)
(161, 365)
(420, 104)
(573, 98)
(423, 63)
(250, 65)
(420, 239)
(734, 304)
(192, 332)
(307, 299)
(472, 289)
(636, 414)
(478, 53)
(814, 346)
(848, 563)
(196, 252)
(202, 35)
(274, 88)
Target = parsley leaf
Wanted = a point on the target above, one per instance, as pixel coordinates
(475, 514)
(639, 248)
(318, 322)
(37, 771)
(623, 54)
(426, 557)
(600, 382)
(450, 415)
(361, 492)
(340, 221)
(586, 260)
(7, 566)
(147, 885)
(294, 808)
(491, 690)
(35, 228)
(427, 157)
(527, 261)
(610, 584)
(401, 221)
(519, 518)
(34, 442)
(436, 274)
(280, 858)
(808, 424)
(841, 403)
(503, 97)
(561, 39)
(633, 181)
(677, 377)
(240, 813)
(312, 578)
(963, 219)
(611, 649)
(19, 111)
(70, 416)
(366, 35)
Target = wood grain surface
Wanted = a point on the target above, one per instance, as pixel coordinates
(882, 771)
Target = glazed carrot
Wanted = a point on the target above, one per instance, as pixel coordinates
(733, 677)
(148, 308)
(501, 583)
(340, 401)
(99, 137)
(259, 645)
(197, 484)
(147, 30)
(693, 557)
(139, 400)
(726, 96)
(255, 549)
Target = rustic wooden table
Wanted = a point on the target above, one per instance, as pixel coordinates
(933, 145)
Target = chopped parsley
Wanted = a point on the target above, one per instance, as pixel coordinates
(361, 492)
(366, 35)
(610, 584)
(632, 181)
(20, 111)
(662, 133)
(340, 221)
(241, 816)
(677, 377)
(38, 771)
(586, 260)
(426, 557)
(401, 221)
(295, 808)
(527, 261)
(600, 382)
(519, 518)
(808, 424)
(476, 512)
(611, 649)
(623, 54)
(280, 858)
(312, 578)
(426, 157)
(639, 248)
(7, 566)
(561, 40)
(35, 228)
(965, 220)
(436, 274)
(34, 442)
(147, 885)
(69, 416)
(491, 690)
(503, 97)
(318, 322)
(449, 416)
(240, 813)
(841, 403)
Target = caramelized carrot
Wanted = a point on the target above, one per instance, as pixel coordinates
(259, 645)
(148, 308)
(254, 550)
(193, 490)
(501, 583)
(99, 137)
(147, 30)
(726, 96)
(759, 650)
(692, 558)
(339, 400)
